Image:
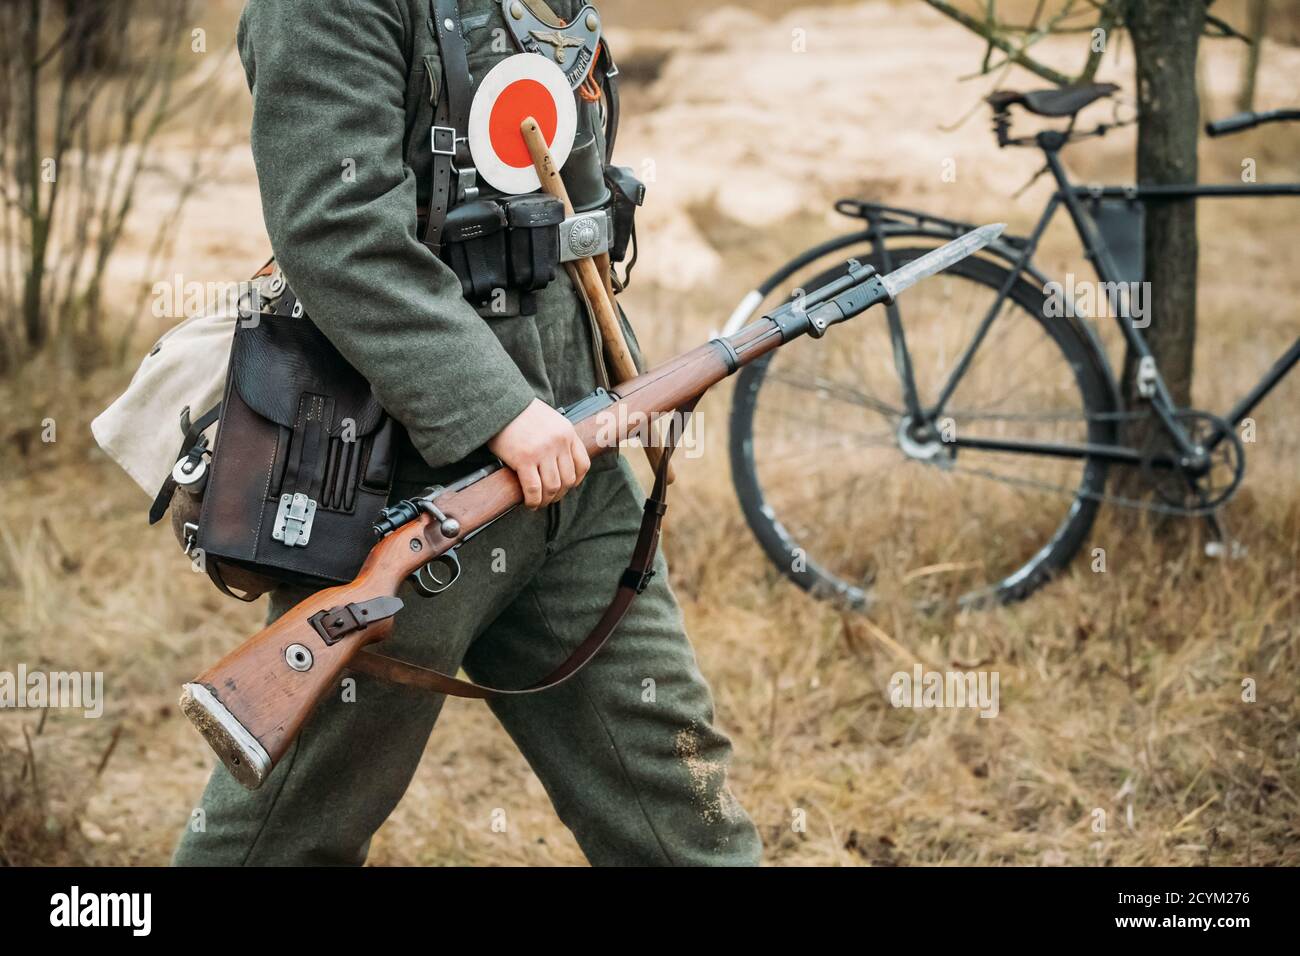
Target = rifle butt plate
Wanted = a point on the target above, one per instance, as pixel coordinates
(246, 759)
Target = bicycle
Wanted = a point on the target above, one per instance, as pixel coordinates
(1009, 414)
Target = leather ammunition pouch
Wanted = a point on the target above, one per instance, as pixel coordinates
(301, 467)
(534, 243)
(507, 243)
(627, 194)
(474, 245)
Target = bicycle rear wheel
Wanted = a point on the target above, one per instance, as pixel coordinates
(850, 504)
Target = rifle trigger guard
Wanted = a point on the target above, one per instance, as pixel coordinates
(448, 563)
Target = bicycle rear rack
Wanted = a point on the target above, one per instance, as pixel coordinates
(913, 219)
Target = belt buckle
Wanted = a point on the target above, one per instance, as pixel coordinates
(584, 234)
(448, 136)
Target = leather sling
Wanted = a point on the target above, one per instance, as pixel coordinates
(633, 581)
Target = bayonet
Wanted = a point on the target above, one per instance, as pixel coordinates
(941, 258)
(861, 287)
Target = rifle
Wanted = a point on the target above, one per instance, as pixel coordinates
(251, 704)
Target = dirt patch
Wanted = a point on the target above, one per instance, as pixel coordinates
(713, 797)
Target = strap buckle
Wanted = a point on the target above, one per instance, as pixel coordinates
(447, 136)
(637, 580)
(584, 234)
(191, 537)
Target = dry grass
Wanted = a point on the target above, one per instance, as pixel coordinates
(1121, 692)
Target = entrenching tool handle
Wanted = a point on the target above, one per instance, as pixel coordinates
(585, 273)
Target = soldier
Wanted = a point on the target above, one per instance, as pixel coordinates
(344, 97)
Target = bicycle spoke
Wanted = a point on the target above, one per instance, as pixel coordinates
(1017, 386)
(844, 393)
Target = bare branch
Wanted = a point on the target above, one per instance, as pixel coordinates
(1014, 54)
(1222, 29)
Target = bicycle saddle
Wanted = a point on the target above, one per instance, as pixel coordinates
(1065, 101)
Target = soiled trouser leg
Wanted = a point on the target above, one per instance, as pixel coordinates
(626, 749)
(354, 760)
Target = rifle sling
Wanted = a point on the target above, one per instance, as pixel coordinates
(633, 581)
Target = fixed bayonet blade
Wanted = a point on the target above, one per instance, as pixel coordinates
(941, 258)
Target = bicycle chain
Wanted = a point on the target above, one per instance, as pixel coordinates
(1121, 501)
(1101, 496)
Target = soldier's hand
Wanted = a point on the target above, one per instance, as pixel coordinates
(544, 451)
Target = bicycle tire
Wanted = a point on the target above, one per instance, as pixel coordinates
(1097, 391)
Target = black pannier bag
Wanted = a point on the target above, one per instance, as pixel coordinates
(302, 463)
(1122, 224)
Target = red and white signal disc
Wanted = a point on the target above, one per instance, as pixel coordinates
(520, 86)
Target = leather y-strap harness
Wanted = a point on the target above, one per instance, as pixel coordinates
(449, 136)
(634, 580)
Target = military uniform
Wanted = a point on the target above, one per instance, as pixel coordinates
(343, 100)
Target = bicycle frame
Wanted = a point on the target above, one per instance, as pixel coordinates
(1019, 254)
(1098, 252)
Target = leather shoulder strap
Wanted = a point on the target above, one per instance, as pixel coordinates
(609, 85)
(451, 117)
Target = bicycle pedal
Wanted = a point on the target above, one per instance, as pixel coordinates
(1231, 550)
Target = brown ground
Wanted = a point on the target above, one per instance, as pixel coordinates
(1121, 691)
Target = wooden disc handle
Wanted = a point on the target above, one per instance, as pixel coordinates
(585, 273)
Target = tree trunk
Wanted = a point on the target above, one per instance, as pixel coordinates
(1166, 34)
(34, 326)
(1255, 29)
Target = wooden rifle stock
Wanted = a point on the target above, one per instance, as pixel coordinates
(251, 704)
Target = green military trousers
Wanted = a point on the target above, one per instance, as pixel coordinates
(627, 749)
